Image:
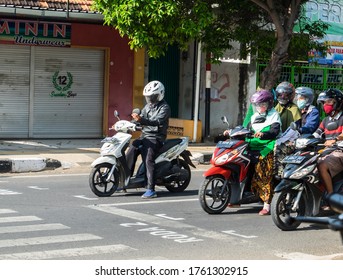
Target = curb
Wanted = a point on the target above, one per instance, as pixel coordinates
(19, 165)
(36, 164)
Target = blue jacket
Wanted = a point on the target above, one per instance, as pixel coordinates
(310, 120)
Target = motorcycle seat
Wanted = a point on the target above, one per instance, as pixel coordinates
(168, 144)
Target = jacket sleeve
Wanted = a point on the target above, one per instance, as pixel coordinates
(159, 119)
(273, 132)
(312, 122)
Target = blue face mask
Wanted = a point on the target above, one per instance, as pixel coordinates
(301, 104)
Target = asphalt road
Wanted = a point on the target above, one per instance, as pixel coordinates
(54, 215)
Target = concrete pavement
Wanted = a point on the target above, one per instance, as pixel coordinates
(18, 156)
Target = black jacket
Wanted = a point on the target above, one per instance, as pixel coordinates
(155, 120)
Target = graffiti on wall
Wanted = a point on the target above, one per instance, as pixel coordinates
(219, 82)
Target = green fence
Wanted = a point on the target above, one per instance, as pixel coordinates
(316, 77)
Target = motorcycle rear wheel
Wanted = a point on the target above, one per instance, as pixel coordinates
(214, 194)
(180, 186)
(281, 210)
(98, 183)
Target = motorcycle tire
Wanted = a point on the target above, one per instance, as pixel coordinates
(98, 183)
(214, 194)
(180, 186)
(281, 210)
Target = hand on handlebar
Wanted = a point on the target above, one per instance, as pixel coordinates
(330, 142)
(227, 132)
(136, 117)
(258, 134)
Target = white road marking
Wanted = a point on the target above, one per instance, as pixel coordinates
(232, 232)
(18, 176)
(199, 232)
(19, 219)
(29, 228)
(302, 256)
(7, 211)
(167, 217)
(8, 192)
(67, 253)
(148, 202)
(87, 198)
(37, 188)
(47, 240)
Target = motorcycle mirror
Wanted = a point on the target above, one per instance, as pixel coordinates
(293, 126)
(116, 114)
(224, 119)
(332, 126)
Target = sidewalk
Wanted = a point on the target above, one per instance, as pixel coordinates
(48, 154)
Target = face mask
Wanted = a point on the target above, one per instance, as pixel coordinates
(328, 108)
(301, 104)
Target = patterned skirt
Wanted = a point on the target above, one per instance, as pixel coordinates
(263, 179)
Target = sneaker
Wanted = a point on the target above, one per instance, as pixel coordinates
(264, 212)
(149, 194)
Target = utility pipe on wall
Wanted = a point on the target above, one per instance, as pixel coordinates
(197, 94)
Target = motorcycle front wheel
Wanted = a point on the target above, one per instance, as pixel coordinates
(282, 212)
(214, 194)
(98, 180)
(180, 185)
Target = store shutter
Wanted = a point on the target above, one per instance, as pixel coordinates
(68, 93)
(14, 91)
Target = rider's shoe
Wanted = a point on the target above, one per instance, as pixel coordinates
(149, 194)
(266, 210)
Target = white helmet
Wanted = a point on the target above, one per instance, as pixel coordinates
(153, 92)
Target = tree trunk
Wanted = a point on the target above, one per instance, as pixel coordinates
(242, 92)
(271, 73)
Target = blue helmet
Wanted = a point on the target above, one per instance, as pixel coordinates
(306, 92)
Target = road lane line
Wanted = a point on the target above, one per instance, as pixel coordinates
(47, 240)
(199, 232)
(68, 253)
(302, 256)
(148, 202)
(7, 211)
(30, 228)
(19, 219)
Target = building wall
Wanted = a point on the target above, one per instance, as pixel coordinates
(224, 91)
(120, 64)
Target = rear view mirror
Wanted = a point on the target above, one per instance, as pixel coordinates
(293, 126)
(224, 119)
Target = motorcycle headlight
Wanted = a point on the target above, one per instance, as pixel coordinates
(221, 159)
(303, 172)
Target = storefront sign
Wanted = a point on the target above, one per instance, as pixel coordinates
(331, 12)
(62, 84)
(37, 33)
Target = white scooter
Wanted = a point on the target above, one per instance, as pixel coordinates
(110, 172)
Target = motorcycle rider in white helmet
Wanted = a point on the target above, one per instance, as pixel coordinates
(154, 119)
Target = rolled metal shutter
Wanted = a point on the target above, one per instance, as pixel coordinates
(68, 93)
(14, 91)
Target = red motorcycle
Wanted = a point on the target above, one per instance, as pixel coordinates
(228, 180)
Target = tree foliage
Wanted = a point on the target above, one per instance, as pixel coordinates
(263, 25)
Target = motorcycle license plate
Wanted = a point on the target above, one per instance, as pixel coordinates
(226, 144)
(293, 159)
